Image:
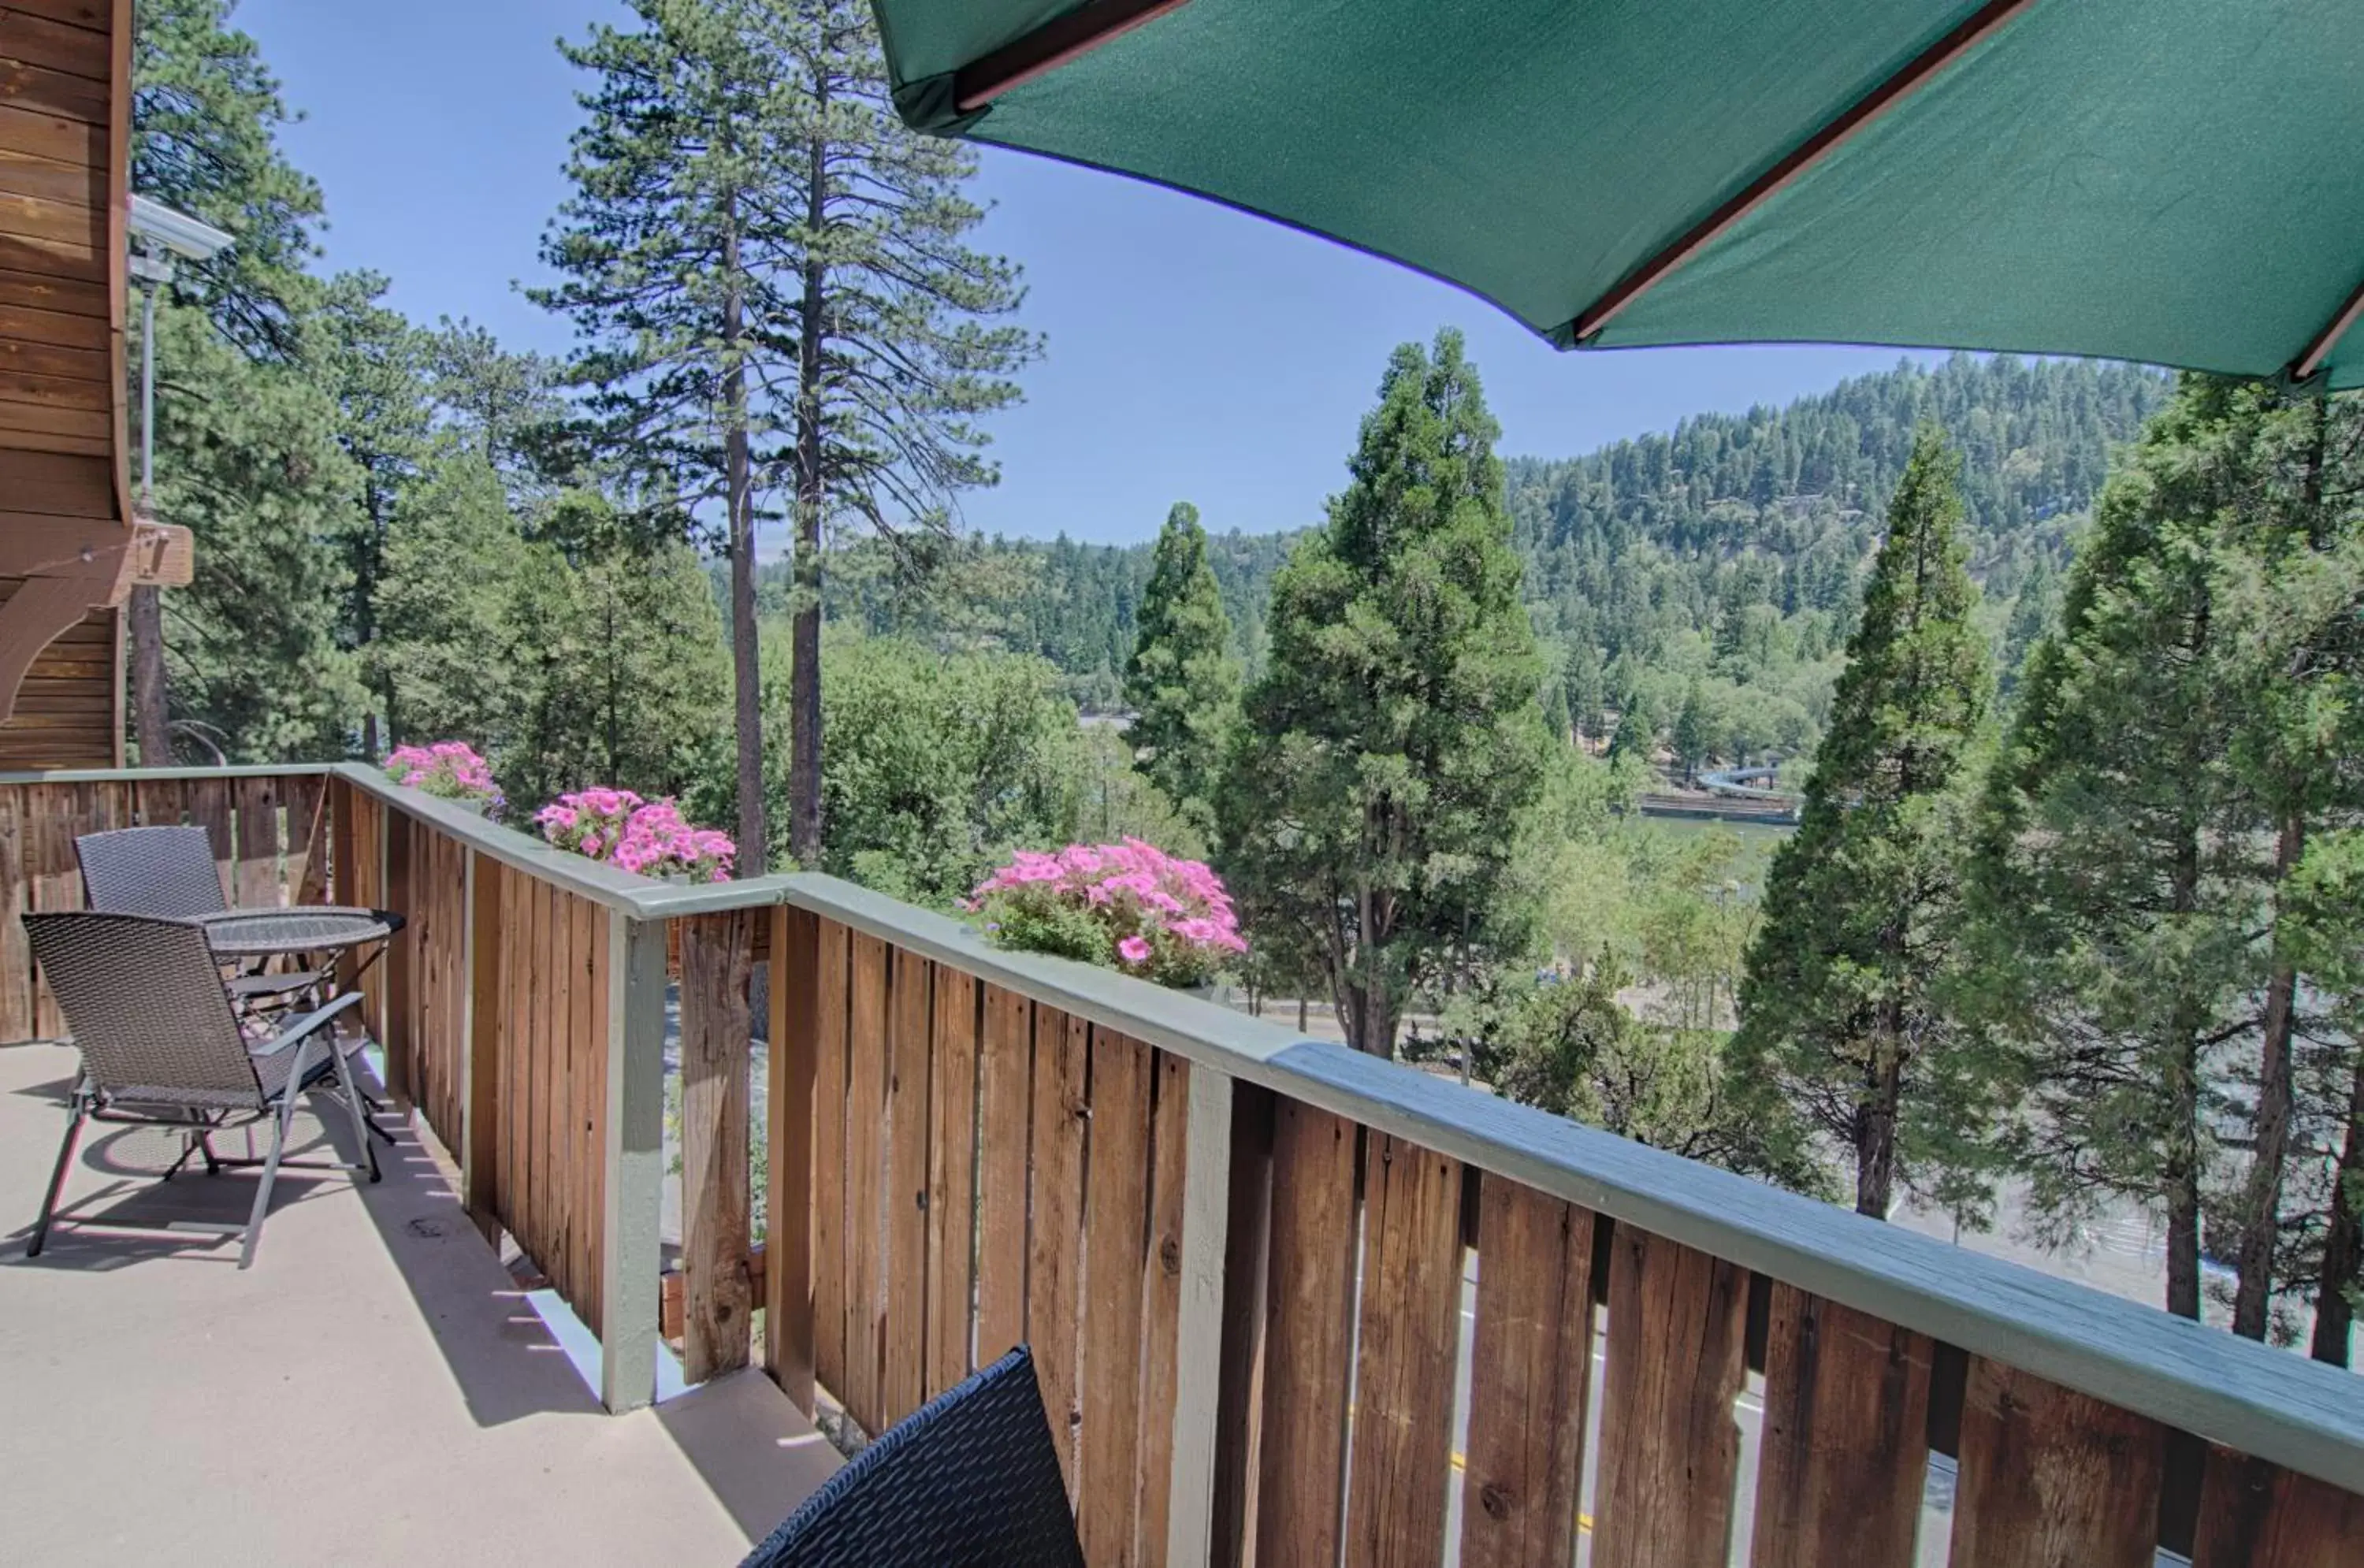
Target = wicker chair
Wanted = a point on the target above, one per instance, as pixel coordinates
(161, 1046)
(967, 1481)
(171, 871)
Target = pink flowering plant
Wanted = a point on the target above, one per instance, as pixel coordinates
(647, 837)
(1129, 906)
(449, 770)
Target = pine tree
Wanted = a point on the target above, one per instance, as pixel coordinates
(2109, 918)
(1181, 682)
(1839, 1008)
(1690, 734)
(770, 276)
(1394, 738)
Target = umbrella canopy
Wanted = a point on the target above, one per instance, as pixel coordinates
(2180, 181)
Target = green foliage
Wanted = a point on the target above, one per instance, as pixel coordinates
(936, 765)
(1182, 682)
(1840, 1005)
(1394, 735)
(247, 459)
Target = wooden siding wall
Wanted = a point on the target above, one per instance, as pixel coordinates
(61, 131)
(268, 837)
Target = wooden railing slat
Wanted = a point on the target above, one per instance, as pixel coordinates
(865, 1148)
(1530, 1379)
(487, 982)
(903, 1364)
(832, 1167)
(18, 1011)
(1005, 1120)
(1309, 1298)
(1055, 1246)
(795, 1180)
(1116, 1216)
(1845, 1447)
(256, 802)
(2256, 1514)
(1669, 1444)
(1407, 1351)
(1168, 1255)
(2052, 1479)
(951, 1185)
(716, 964)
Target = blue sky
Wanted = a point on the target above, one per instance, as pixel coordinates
(1195, 353)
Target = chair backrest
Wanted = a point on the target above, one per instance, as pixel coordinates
(969, 1480)
(143, 998)
(151, 871)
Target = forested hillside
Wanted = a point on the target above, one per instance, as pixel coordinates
(1724, 556)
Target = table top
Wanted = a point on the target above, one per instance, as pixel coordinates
(260, 933)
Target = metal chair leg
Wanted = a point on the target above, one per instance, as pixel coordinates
(363, 1126)
(279, 1127)
(57, 1180)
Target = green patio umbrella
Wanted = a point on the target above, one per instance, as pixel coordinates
(2173, 181)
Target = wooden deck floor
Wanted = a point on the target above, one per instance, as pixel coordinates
(374, 1390)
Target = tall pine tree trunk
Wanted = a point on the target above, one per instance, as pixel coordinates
(2181, 1177)
(2343, 1244)
(1875, 1155)
(803, 677)
(2261, 1196)
(150, 700)
(746, 675)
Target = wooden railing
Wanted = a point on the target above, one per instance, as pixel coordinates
(1249, 1265)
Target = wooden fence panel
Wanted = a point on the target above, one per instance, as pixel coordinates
(951, 1185)
(256, 803)
(1310, 1296)
(1530, 1379)
(1407, 1348)
(1846, 1448)
(53, 876)
(304, 876)
(1670, 1445)
(18, 1011)
(717, 962)
(2052, 1479)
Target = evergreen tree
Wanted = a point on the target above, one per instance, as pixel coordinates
(1839, 1010)
(770, 273)
(1691, 735)
(2110, 915)
(1181, 682)
(1394, 738)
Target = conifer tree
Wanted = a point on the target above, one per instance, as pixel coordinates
(1839, 1008)
(772, 278)
(1394, 739)
(1181, 682)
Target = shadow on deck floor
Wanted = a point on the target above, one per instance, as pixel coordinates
(375, 1389)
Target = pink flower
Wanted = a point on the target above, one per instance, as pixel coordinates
(1133, 951)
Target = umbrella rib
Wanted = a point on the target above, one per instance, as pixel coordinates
(1051, 46)
(2319, 348)
(1973, 30)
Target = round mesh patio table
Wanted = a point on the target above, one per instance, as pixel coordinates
(308, 928)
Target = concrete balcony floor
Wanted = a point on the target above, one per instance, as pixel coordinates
(376, 1389)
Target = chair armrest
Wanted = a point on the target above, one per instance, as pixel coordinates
(309, 1024)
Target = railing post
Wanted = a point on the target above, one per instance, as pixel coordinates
(633, 1159)
(481, 1045)
(716, 960)
(788, 1243)
(1198, 1329)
